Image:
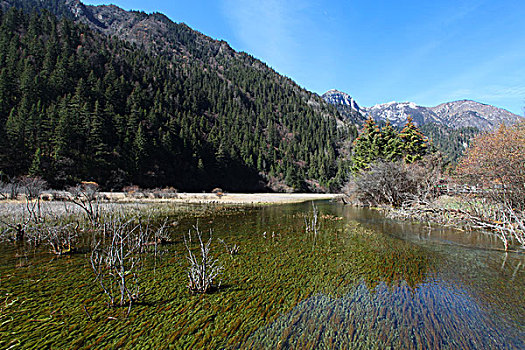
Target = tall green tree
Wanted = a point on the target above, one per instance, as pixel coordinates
(392, 143)
(415, 144)
(367, 146)
(387, 144)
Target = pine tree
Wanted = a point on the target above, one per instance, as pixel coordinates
(367, 146)
(140, 147)
(292, 178)
(392, 143)
(36, 165)
(415, 144)
(64, 132)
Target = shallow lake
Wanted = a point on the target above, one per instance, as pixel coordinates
(362, 281)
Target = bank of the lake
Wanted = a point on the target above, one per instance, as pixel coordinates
(464, 214)
(224, 198)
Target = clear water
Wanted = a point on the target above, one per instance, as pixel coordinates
(474, 299)
(363, 282)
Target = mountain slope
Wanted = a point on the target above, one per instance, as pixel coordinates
(457, 114)
(466, 113)
(346, 105)
(152, 103)
(397, 113)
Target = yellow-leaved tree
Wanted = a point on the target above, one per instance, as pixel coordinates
(497, 161)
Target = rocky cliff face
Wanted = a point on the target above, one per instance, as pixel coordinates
(346, 105)
(154, 31)
(457, 114)
(336, 97)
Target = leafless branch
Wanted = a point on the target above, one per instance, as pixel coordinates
(311, 221)
(203, 272)
(232, 250)
(61, 238)
(117, 259)
(86, 196)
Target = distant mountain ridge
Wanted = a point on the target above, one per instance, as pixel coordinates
(154, 31)
(456, 114)
(467, 113)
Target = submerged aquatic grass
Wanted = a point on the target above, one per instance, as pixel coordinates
(54, 302)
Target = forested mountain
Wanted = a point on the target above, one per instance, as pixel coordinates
(452, 142)
(154, 104)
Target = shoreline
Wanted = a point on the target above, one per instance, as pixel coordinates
(197, 198)
(227, 198)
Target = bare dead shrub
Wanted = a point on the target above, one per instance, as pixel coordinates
(13, 231)
(9, 189)
(396, 183)
(502, 219)
(61, 238)
(203, 271)
(384, 183)
(117, 260)
(86, 196)
(50, 228)
(169, 192)
(32, 186)
(23, 223)
(4, 190)
(161, 235)
(230, 249)
(427, 174)
(134, 191)
(165, 193)
(119, 254)
(311, 221)
(131, 189)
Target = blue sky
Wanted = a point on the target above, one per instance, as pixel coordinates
(427, 52)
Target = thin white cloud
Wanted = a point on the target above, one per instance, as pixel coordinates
(508, 87)
(266, 28)
(493, 92)
(459, 12)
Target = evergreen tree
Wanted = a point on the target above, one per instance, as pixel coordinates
(392, 143)
(387, 144)
(75, 104)
(415, 144)
(36, 165)
(367, 146)
(140, 148)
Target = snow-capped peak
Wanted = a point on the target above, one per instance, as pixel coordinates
(463, 113)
